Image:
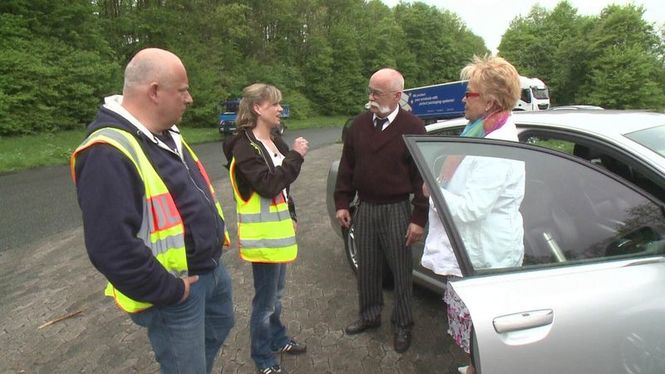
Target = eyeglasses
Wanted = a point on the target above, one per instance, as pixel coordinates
(469, 94)
(378, 93)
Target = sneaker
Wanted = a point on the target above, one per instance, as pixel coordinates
(292, 347)
(272, 370)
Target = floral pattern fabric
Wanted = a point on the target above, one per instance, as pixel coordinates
(459, 318)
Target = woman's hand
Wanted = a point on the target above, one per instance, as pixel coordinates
(300, 145)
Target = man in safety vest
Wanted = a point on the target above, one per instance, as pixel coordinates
(153, 226)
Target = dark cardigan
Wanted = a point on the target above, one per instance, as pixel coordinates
(378, 166)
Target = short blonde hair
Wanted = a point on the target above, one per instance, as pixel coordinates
(497, 79)
(256, 93)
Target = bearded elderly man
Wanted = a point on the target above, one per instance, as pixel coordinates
(152, 224)
(377, 166)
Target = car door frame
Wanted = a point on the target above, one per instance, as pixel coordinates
(535, 319)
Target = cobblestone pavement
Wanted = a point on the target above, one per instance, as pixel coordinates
(54, 278)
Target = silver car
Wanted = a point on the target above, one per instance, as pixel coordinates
(589, 296)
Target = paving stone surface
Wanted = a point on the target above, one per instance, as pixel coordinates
(54, 278)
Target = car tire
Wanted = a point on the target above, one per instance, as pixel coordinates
(351, 251)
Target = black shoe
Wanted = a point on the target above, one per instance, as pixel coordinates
(360, 325)
(402, 340)
(292, 347)
(272, 370)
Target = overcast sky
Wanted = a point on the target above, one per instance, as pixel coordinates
(490, 18)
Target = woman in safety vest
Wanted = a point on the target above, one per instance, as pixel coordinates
(261, 168)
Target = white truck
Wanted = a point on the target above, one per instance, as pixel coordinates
(534, 95)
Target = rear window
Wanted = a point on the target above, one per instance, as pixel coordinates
(653, 138)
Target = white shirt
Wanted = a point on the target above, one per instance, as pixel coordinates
(391, 118)
(277, 158)
(484, 196)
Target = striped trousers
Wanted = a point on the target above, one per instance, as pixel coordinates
(380, 233)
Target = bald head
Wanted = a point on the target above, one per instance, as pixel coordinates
(385, 89)
(150, 65)
(156, 89)
(389, 78)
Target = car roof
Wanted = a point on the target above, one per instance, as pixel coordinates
(603, 123)
(609, 125)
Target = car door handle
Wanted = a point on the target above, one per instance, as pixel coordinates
(523, 320)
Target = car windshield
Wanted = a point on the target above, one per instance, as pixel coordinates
(541, 93)
(652, 138)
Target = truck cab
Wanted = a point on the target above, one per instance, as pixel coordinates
(534, 95)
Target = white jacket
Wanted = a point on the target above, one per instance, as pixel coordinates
(484, 197)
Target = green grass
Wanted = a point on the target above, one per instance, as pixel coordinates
(25, 152)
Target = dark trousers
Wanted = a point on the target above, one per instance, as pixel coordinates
(380, 233)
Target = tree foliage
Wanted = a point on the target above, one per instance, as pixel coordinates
(614, 60)
(55, 65)
(60, 58)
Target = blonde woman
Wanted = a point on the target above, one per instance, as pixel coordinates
(262, 168)
(483, 194)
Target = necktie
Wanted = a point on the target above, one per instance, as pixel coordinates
(379, 122)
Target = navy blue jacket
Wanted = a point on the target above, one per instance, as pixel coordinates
(111, 193)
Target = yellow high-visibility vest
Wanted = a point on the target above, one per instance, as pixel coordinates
(162, 229)
(265, 229)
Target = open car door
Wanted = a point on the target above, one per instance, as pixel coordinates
(588, 295)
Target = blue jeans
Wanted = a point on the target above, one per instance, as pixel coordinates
(186, 337)
(266, 330)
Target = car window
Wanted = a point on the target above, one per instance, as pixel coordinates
(653, 138)
(599, 155)
(448, 131)
(517, 206)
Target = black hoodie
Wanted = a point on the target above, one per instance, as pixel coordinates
(111, 193)
(255, 170)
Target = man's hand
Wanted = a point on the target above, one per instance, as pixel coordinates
(344, 218)
(188, 282)
(413, 234)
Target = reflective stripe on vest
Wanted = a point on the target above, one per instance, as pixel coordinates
(199, 164)
(161, 229)
(265, 227)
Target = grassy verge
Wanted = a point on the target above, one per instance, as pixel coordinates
(25, 152)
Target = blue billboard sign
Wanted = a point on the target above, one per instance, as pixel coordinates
(435, 102)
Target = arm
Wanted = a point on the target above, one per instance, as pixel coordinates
(259, 176)
(110, 194)
(420, 202)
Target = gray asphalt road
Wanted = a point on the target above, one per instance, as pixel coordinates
(52, 277)
(41, 202)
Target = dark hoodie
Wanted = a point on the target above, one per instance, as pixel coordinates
(111, 193)
(255, 170)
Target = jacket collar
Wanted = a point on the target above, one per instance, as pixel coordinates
(114, 104)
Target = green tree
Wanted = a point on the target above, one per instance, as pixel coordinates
(625, 69)
(614, 60)
(54, 68)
